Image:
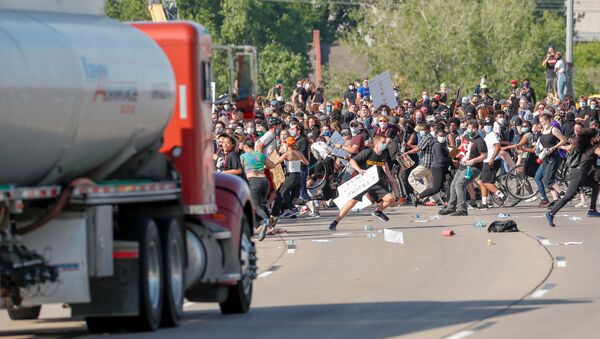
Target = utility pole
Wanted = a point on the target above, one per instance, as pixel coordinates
(569, 47)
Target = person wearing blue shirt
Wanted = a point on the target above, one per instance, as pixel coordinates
(363, 91)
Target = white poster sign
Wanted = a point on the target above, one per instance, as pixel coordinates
(356, 186)
(382, 90)
(393, 236)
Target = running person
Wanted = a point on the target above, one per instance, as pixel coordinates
(376, 156)
(551, 139)
(580, 173)
(491, 165)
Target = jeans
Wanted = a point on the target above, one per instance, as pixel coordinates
(259, 190)
(539, 174)
(438, 176)
(289, 189)
(406, 187)
(562, 85)
(457, 200)
(303, 191)
(420, 172)
(577, 179)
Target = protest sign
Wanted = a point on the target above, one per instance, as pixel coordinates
(337, 138)
(356, 186)
(382, 90)
(277, 173)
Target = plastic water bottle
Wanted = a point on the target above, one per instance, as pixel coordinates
(479, 224)
(417, 216)
(371, 235)
(575, 218)
(503, 215)
(368, 228)
(435, 217)
(468, 173)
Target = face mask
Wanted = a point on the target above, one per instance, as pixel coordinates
(524, 129)
(425, 97)
(250, 130)
(384, 113)
(218, 130)
(471, 134)
(441, 140)
(382, 146)
(292, 132)
(260, 133)
(226, 107)
(355, 131)
(422, 133)
(329, 109)
(488, 129)
(582, 104)
(383, 125)
(395, 94)
(592, 106)
(327, 133)
(350, 87)
(501, 121)
(306, 87)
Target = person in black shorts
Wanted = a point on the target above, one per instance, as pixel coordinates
(376, 156)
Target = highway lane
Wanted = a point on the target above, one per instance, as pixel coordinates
(314, 283)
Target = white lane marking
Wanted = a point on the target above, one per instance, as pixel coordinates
(265, 274)
(291, 251)
(546, 242)
(321, 240)
(541, 292)
(561, 262)
(460, 335)
(340, 234)
(291, 246)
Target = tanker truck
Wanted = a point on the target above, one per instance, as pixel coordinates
(108, 199)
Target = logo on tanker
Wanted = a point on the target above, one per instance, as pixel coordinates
(107, 90)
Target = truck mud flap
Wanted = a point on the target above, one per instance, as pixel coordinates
(118, 294)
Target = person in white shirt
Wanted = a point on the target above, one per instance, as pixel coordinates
(560, 68)
(491, 164)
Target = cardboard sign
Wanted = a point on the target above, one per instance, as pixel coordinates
(356, 186)
(277, 173)
(382, 90)
(337, 138)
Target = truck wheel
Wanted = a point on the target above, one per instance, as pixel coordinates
(151, 276)
(174, 266)
(24, 313)
(239, 295)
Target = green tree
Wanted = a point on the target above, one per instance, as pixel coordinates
(127, 10)
(423, 43)
(586, 57)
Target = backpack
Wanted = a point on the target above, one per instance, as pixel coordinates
(503, 226)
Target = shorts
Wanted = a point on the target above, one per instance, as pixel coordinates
(270, 180)
(377, 192)
(488, 175)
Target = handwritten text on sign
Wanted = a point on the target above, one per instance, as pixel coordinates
(356, 186)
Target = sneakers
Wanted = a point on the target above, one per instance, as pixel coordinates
(304, 210)
(333, 226)
(262, 230)
(550, 219)
(380, 215)
(473, 203)
(582, 204)
(532, 199)
(273, 221)
(459, 213)
(543, 203)
(445, 211)
(490, 205)
(593, 214)
(288, 214)
(315, 215)
(482, 207)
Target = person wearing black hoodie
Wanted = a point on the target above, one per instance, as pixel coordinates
(569, 125)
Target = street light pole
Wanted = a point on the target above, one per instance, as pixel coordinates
(569, 47)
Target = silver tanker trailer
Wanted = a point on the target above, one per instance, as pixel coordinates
(94, 213)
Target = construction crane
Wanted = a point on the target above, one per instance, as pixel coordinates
(163, 10)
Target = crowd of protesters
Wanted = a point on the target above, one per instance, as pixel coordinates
(434, 150)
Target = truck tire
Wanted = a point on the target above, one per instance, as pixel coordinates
(171, 234)
(151, 276)
(239, 296)
(24, 313)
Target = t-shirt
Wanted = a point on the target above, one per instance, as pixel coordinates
(253, 161)
(359, 140)
(269, 142)
(550, 67)
(560, 66)
(491, 139)
(228, 161)
(364, 92)
(351, 96)
(367, 158)
(471, 149)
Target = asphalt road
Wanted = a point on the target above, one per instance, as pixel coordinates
(541, 282)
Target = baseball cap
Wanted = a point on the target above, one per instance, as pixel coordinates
(514, 81)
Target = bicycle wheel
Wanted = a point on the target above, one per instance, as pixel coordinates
(519, 185)
(507, 200)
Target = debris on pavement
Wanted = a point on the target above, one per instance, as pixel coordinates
(491, 242)
(448, 233)
(368, 228)
(393, 236)
(371, 235)
(479, 224)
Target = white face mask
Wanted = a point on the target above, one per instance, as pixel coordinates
(279, 98)
(383, 125)
(432, 133)
(501, 121)
(395, 94)
(441, 140)
(350, 87)
(355, 131)
(307, 87)
(226, 107)
(218, 130)
(593, 106)
(292, 132)
(422, 133)
(250, 130)
(384, 113)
